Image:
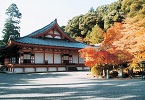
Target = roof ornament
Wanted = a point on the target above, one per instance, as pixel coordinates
(55, 19)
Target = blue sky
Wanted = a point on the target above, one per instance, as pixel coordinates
(38, 13)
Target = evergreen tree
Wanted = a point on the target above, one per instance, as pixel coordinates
(73, 27)
(11, 28)
(91, 9)
(96, 36)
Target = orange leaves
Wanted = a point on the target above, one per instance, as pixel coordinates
(133, 43)
(112, 34)
(128, 42)
(104, 57)
(88, 54)
(122, 43)
(93, 57)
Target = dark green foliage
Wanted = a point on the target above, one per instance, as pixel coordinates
(88, 21)
(104, 16)
(13, 11)
(62, 28)
(112, 13)
(81, 25)
(1, 42)
(73, 26)
(133, 8)
(11, 28)
(1, 54)
(96, 36)
(91, 9)
(1, 58)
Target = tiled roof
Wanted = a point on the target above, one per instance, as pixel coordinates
(29, 39)
(51, 42)
(45, 28)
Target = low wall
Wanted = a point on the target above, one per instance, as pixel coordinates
(42, 69)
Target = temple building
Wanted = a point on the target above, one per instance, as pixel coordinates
(44, 50)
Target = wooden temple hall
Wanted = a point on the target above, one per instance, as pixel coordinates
(46, 49)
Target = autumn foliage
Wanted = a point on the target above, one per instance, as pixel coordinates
(123, 43)
(112, 34)
(94, 57)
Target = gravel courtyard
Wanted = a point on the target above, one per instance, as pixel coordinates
(68, 86)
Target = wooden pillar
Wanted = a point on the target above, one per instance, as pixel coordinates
(21, 57)
(78, 59)
(34, 69)
(17, 58)
(43, 56)
(13, 68)
(56, 68)
(53, 56)
(47, 68)
(82, 67)
(23, 69)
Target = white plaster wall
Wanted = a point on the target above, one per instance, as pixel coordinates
(52, 69)
(79, 68)
(86, 68)
(18, 70)
(57, 37)
(49, 36)
(51, 32)
(19, 60)
(61, 69)
(41, 69)
(55, 32)
(39, 58)
(57, 58)
(81, 60)
(29, 70)
(75, 58)
(49, 57)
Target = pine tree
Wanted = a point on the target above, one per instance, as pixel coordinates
(11, 28)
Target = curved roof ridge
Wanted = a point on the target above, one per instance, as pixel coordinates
(41, 30)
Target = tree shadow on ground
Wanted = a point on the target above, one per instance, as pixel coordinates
(19, 87)
(24, 78)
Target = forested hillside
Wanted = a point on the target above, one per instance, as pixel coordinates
(91, 27)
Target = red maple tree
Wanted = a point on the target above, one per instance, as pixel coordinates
(94, 57)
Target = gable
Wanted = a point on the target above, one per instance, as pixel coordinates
(50, 36)
(51, 30)
(54, 33)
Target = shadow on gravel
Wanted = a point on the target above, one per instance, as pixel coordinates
(17, 86)
(12, 78)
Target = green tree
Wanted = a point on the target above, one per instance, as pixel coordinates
(96, 36)
(91, 9)
(133, 8)
(73, 26)
(114, 14)
(104, 16)
(11, 28)
(80, 26)
(88, 21)
(1, 42)
(101, 11)
(62, 28)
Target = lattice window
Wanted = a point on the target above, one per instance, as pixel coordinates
(13, 60)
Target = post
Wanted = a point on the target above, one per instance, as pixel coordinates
(107, 74)
(103, 72)
(143, 70)
(121, 72)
